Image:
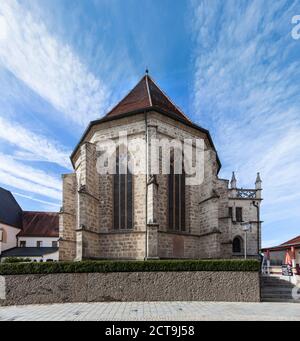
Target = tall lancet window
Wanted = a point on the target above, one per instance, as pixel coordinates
(122, 192)
(176, 189)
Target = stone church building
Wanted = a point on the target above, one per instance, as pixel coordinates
(147, 216)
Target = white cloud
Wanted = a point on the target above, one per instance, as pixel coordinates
(247, 89)
(33, 146)
(18, 169)
(16, 174)
(48, 203)
(3, 28)
(48, 66)
(28, 186)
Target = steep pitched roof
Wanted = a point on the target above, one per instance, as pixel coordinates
(144, 97)
(10, 211)
(146, 94)
(40, 224)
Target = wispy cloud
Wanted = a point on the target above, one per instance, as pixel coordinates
(48, 66)
(47, 203)
(32, 146)
(3, 28)
(247, 87)
(31, 180)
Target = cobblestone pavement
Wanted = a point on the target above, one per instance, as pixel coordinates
(135, 311)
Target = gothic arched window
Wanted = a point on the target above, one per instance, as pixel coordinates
(237, 245)
(122, 196)
(176, 205)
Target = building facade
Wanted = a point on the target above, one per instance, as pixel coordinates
(143, 216)
(27, 234)
(285, 254)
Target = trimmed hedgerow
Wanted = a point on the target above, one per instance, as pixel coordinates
(129, 266)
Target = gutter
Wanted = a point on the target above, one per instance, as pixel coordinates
(258, 225)
(146, 184)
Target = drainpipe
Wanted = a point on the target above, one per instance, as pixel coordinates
(258, 225)
(146, 181)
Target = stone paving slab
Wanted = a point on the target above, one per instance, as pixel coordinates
(151, 311)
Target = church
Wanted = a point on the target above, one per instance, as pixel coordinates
(153, 214)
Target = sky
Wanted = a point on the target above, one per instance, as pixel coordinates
(232, 66)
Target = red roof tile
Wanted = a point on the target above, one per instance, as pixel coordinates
(40, 224)
(146, 94)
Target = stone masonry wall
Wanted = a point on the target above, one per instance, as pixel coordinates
(88, 229)
(132, 286)
(122, 245)
(211, 231)
(67, 219)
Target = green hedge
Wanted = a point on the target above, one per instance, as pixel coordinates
(129, 266)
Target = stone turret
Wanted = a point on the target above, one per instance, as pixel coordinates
(258, 186)
(233, 181)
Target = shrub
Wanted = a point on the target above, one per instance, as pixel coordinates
(16, 260)
(129, 266)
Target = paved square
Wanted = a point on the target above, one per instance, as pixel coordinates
(138, 311)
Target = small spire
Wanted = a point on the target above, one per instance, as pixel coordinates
(258, 179)
(258, 182)
(146, 71)
(233, 181)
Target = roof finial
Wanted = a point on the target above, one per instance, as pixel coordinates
(258, 182)
(233, 181)
(146, 71)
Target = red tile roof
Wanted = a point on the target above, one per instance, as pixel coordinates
(295, 240)
(144, 97)
(40, 224)
(146, 94)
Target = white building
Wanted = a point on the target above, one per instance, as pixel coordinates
(27, 234)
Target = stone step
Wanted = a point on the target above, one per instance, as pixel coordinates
(283, 292)
(276, 283)
(275, 279)
(278, 286)
(284, 300)
(279, 295)
(276, 289)
(268, 280)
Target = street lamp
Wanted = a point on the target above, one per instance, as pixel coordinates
(246, 227)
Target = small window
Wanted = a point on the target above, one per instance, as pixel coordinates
(239, 214)
(54, 243)
(237, 245)
(39, 243)
(22, 243)
(230, 212)
(3, 236)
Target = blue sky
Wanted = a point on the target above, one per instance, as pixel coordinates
(232, 66)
